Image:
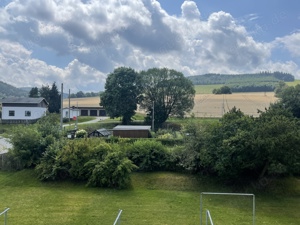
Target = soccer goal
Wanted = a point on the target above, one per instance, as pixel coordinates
(5, 215)
(239, 208)
(118, 219)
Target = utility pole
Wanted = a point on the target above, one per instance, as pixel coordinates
(153, 116)
(69, 109)
(61, 106)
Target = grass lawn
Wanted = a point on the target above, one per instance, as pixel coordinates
(154, 198)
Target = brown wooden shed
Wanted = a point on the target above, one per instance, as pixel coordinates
(132, 131)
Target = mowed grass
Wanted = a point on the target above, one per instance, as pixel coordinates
(154, 198)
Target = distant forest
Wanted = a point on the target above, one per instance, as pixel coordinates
(255, 82)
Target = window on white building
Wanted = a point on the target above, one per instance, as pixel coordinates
(27, 113)
(11, 113)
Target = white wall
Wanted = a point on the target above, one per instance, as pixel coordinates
(73, 112)
(36, 113)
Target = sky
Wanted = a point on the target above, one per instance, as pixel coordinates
(79, 42)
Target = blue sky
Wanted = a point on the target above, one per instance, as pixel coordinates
(79, 43)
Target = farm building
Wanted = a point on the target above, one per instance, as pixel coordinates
(83, 111)
(23, 110)
(132, 131)
(100, 133)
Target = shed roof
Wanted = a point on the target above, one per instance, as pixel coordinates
(104, 132)
(24, 100)
(131, 127)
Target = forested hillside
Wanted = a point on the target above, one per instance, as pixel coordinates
(256, 82)
(7, 90)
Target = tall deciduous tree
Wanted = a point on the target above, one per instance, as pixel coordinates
(169, 92)
(122, 93)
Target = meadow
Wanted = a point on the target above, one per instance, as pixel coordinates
(158, 198)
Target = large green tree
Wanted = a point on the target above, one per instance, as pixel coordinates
(168, 92)
(122, 94)
(290, 99)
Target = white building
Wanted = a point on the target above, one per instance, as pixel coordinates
(23, 110)
(73, 111)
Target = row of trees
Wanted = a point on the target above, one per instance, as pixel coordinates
(164, 91)
(255, 78)
(81, 94)
(51, 95)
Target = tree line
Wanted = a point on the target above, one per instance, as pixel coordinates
(214, 78)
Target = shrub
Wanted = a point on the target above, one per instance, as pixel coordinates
(81, 133)
(113, 171)
(148, 155)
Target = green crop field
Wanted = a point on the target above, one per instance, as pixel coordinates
(154, 198)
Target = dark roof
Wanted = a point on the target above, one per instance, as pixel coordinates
(24, 100)
(131, 127)
(101, 131)
(104, 132)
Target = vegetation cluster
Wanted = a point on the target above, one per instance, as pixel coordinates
(51, 95)
(161, 92)
(237, 148)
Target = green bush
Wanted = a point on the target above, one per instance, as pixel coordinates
(28, 145)
(113, 171)
(81, 134)
(92, 160)
(148, 155)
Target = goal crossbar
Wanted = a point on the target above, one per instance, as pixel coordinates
(228, 194)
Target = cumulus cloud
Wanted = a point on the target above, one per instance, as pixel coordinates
(99, 36)
(291, 43)
(19, 69)
(190, 10)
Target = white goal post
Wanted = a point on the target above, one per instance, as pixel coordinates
(228, 194)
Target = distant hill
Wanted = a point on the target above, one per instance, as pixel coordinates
(7, 90)
(256, 82)
(213, 78)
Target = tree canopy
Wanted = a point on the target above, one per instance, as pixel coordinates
(168, 91)
(51, 95)
(121, 94)
(290, 98)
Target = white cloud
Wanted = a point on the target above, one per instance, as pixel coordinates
(19, 69)
(291, 43)
(190, 10)
(102, 35)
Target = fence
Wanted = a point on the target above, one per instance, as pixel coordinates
(5, 215)
(228, 194)
(118, 219)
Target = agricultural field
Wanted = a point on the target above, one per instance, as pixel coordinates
(207, 104)
(210, 105)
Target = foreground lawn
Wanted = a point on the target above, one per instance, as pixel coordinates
(154, 198)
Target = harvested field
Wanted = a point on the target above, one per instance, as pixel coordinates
(208, 105)
(82, 102)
